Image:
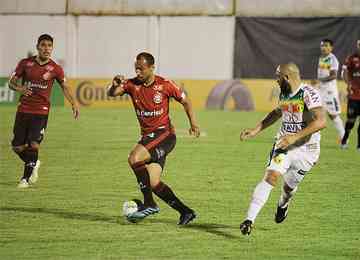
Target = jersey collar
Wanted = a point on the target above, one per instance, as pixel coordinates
(297, 90)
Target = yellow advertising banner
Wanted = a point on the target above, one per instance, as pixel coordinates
(92, 92)
(264, 93)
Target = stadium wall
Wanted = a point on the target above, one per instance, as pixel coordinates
(184, 47)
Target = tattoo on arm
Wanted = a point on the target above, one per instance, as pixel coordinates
(271, 118)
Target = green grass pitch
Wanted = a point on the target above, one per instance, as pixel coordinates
(74, 211)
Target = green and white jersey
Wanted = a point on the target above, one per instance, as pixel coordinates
(296, 114)
(327, 64)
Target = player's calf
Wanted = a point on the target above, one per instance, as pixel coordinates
(143, 180)
(20, 151)
(164, 192)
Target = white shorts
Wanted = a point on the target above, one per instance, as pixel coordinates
(294, 164)
(330, 100)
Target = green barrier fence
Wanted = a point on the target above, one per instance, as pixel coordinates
(9, 97)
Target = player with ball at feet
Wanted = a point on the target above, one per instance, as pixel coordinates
(297, 146)
(150, 95)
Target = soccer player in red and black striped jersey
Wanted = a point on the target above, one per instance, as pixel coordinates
(150, 95)
(37, 76)
(352, 79)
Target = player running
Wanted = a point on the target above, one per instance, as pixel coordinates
(352, 79)
(37, 76)
(327, 72)
(150, 95)
(297, 145)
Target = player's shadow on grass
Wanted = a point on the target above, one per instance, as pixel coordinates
(212, 228)
(64, 214)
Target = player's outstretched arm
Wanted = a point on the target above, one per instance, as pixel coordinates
(194, 127)
(70, 98)
(317, 124)
(13, 84)
(270, 119)
(117, 86)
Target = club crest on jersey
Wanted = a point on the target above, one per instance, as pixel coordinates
(157, 98)
(47, 75)
(49, 68)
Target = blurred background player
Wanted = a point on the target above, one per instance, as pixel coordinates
(150, 95)
(37, 74)
(352, 79)
(327, 72)
(297, 146)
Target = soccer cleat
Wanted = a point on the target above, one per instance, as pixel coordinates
(23, 184)
(246, 227)
(281, 213)
(344, 146)
(141, 214)
(35, 173)
(186, 218)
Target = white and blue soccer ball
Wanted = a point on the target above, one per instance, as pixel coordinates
(129, 207)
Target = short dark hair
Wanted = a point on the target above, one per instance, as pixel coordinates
(46, 37)
(147, 56)
(327, 40)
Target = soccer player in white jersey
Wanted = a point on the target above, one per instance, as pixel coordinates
(297, 144)
(326, 74)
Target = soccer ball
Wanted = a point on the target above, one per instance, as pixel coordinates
(129, 207)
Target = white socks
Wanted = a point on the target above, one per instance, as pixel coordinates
(339, 126)
(285, 197)
(259, 198)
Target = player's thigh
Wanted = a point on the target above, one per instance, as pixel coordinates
(139, 154)
(160, 152)
(303, 160)
(154, 170)
(332, 105)
(353, 109)
(37, 129)
(20, 129)
(278, 162)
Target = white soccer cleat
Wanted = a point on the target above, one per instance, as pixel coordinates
(23, 184)
(35, 174)
(344, 146)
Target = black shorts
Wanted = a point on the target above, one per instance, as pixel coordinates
(29, 128)
(159, 144)
(353, 108)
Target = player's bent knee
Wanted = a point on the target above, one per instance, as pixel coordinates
(332, 117)
(287, 188)
(133, 159)
(271, 177)
(34, 146)
(19, 149)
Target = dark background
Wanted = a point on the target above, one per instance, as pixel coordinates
(263, 43)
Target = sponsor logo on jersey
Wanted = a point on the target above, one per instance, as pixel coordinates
(278, 158)
(153, 113)
(293, 127)
(157, 98)
(35, 85)
(356, 74)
